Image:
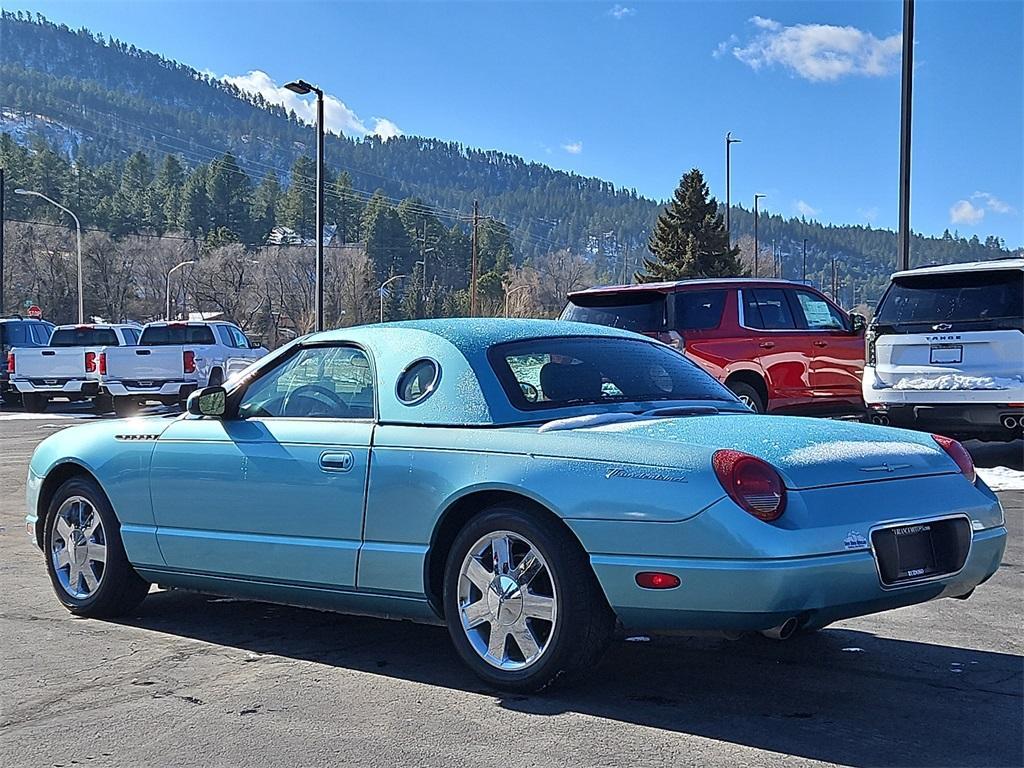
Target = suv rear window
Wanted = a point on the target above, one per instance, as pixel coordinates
(84, 337)
(959, 297)
(161, 335)
(641, 311)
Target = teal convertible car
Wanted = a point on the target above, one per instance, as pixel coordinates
(533, 485)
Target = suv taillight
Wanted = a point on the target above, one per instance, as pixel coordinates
(188, 361)
(870, 337)
(90, 362)
(958, 454)
(10, 362)
(752, 483)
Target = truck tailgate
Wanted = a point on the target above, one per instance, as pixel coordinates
(145, 363)
(50, 363)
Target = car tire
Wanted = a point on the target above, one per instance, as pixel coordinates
(125, 407)
(750, 396)
(12, 397)
(85, 557)
(33, 403)
(103, 404)
(535, 650)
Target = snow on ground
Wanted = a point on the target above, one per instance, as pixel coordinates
(1002, 478)
(958, 381)
(14, 416)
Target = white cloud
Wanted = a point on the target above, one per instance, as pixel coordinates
(573, 147)
(993, 203)
(338, 118)
(963, 212)
(619, 12)
(816, 52)
(804, 209)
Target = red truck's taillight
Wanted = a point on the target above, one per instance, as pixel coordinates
(188, 361)
(90, 362)
(10, 362)
(102, 364)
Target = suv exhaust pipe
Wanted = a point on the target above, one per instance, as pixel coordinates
(1010, 422)
(784, 631)
(881, 419)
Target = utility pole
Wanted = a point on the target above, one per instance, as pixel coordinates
(906, 103)
(803, 273)
(775, 260)
(729, 141)
(473, 269)
(2, 210)
(835, 276)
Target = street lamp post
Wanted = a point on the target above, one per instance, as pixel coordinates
(381, 292)
(171, 271)
(78, 240)
(508, 293)
(729, 141)
(803, 274)
(757, 197)
(303, 88)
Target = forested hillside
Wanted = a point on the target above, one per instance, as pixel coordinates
(142, 145)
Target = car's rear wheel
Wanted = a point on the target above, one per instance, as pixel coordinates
(33, 403)
(748, 396)
(85, 557)
(521, 601)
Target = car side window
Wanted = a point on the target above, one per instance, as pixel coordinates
(240, 340)
(767, 309)
(315, 383)
(698, 310)
(224, 335)
(15, 333)
(818, 314)
(40, 334)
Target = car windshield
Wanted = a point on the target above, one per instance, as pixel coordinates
(641, 311)
(84, 337)
(950, 298)
(159, 335)
(556, 372)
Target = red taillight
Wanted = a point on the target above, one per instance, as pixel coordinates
(10, 362)
(657, 580)
(188, 361)
(958, 454)
(752, 483)
(103, 364)
(90, 362)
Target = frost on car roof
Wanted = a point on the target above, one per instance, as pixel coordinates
(972, 266)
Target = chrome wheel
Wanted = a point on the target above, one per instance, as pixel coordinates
(748, 401)
(506, 600)
(78, 547)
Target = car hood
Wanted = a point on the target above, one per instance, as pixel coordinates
(807, 452)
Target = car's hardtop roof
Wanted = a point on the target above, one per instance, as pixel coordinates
(161, 323)
(682, 285)
(72, 326)
(973, 266)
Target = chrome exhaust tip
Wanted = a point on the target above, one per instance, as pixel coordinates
(1010, 422)
(881, 419)
(784, 631)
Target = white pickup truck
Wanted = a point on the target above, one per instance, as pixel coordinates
(172, 360)
(69, 366)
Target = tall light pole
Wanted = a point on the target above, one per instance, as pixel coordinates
(906, 102)
(757, 197)
(729, 141)
(78, 240)
(381, 292)
(171, 271)
(303, 88)
(803, 273)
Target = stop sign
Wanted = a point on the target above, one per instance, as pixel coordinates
(35, 311)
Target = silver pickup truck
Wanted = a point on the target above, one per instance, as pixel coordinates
(68, 368)
(172, 360)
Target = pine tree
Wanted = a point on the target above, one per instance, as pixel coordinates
(344, 209)
(167, 189)
(264, 207)
(298, 206)
(689, 239)
(229, 193)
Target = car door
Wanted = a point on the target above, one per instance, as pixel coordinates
(837, 361)
(275, 490)
(782, 349)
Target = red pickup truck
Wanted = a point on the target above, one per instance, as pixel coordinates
(779, 346)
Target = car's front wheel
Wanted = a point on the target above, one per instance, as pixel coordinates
(85, 557)
(522, 604)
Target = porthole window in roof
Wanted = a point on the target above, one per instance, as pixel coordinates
(418, 381)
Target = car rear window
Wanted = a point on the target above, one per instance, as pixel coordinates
(641, 311)
(950, 298)
(84, 337)
(160, 335)
(556, 372)
(699, 310)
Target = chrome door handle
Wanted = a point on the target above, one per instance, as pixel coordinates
(336, 461)
(821, 343)
(767, 344)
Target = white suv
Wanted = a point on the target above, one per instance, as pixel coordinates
(946, 351)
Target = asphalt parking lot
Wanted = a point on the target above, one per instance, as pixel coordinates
(192, 680)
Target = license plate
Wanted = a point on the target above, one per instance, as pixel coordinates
(947, 353)
(915, 552)
(909, 553)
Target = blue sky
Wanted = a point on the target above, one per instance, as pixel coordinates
(638, 92)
